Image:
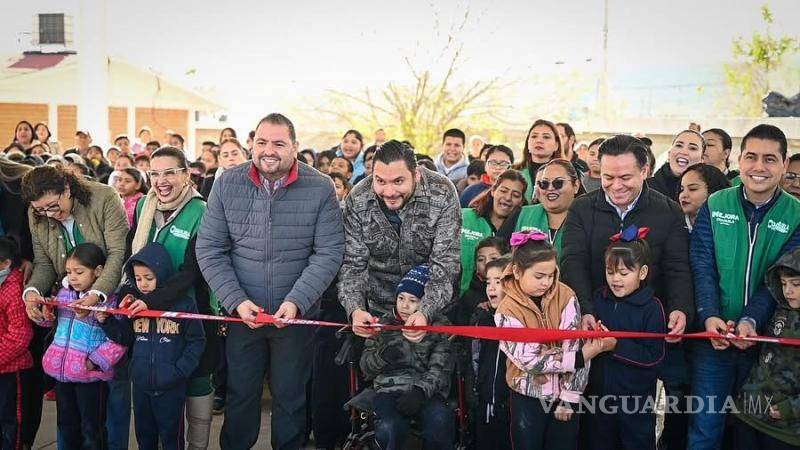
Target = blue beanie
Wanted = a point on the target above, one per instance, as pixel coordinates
(414, 281)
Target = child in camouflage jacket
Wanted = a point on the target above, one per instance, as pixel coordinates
(411, 379)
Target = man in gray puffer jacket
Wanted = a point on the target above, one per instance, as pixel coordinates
(271, 240)
(400, 217)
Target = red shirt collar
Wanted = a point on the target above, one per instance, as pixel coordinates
(255, 176)
(485, 180)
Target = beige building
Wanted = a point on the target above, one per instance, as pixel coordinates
(44, 87)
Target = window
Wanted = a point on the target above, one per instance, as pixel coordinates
(51, 29)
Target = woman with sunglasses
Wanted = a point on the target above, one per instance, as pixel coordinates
(487, 213)
(557, 186)
(499, 158)
(170, 214)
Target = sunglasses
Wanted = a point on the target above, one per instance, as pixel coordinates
(557, 184)
(791, 177)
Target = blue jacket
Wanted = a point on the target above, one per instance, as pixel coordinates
(455, 173)
(359, 169)
(165, 350)
(471, 192)
(271, 247)
(704, 266)
(631, 367)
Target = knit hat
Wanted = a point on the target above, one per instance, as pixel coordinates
(414, 281)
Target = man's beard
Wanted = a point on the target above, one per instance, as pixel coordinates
(406, 198)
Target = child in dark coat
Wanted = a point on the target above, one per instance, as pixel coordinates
(769, 401)
(165, 353)
(492, 413)
(487, 250)
(627, 374)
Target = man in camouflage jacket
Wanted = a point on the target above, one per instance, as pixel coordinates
(400, 217)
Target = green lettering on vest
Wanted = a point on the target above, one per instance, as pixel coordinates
(474, 229)
(175, 235)
(730, 228)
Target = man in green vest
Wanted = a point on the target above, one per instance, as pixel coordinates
(739, 233)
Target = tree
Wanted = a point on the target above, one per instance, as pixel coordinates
(422, 109)
(758, 59)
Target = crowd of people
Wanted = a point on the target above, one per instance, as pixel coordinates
(569, 236)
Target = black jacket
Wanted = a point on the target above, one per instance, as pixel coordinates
(665, 182)
(14, 217)
(580, 165)
(631, 367)
(463, 310)
(183, 278)
(591, 221)
(165, 350)
(208, 183)
(491, 380)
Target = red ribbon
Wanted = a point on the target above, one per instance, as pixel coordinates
(539, 335)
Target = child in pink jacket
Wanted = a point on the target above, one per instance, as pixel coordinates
(81, 357)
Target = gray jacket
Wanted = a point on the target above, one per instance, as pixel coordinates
(270, 248)
(376, 258)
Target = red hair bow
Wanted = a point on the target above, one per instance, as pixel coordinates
(630, 234)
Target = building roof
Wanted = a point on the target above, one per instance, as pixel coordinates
(54, 78)
(38, 61)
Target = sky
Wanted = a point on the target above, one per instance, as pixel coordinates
(261, 56)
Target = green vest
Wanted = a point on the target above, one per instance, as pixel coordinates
(742, 264)
(534, 218)
(175, 234)
(474, 229)
(736, 181)
(526, 173)
(76, 233)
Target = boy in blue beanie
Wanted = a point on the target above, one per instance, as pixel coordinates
(412, 380)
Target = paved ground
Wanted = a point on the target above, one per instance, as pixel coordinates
(46, 439)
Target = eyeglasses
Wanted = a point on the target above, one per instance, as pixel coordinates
(498, 164)
(52, 208)
(557, 184)
(168, 173)
(791, 177)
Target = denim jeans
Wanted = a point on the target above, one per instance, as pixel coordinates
(79, 414)
(435, 418)
(118, 410)
(716, 375)
(534, 426)
(159, 418)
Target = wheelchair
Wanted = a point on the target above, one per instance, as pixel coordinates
(362, 416)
